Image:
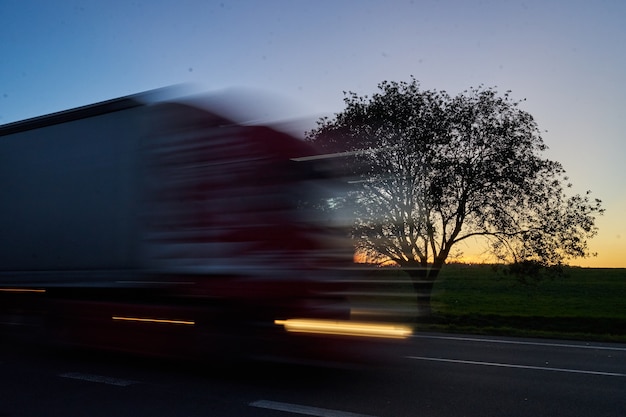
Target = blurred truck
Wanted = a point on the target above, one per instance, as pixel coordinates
(162, 227)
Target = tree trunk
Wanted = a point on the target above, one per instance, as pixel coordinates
(423, 280)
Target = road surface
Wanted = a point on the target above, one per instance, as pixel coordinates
(432, 375)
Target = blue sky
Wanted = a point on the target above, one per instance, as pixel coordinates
(567, 58)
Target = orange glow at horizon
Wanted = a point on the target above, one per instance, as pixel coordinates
(609, 255)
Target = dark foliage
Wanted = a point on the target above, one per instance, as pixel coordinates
(429, 170)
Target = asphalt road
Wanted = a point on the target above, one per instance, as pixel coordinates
(432, 375)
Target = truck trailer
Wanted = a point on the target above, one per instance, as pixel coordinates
(163, 227)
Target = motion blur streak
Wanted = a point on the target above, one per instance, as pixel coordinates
(21, 290)
(187, 322)
(167, 228)
(345, 328)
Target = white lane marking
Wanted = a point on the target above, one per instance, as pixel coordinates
(98, 378)
(303, 409)
(508, 365)
(517, 342)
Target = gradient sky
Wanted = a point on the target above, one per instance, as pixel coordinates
(566, 58)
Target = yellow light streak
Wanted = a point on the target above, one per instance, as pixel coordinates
(20, 290)
(147, 320)
(345, 328)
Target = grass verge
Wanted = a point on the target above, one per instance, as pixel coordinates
(584, 304)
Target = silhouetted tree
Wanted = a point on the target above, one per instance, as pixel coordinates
(431, 170)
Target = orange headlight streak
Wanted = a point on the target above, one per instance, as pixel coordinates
(345, 328)
(22, 290)
(147, 320)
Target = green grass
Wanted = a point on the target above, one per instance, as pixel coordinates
(582, 292)
(585, 303)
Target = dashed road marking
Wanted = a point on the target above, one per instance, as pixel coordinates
(304, 410)
(98, 378)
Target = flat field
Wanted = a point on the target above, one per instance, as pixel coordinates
(584, 303)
